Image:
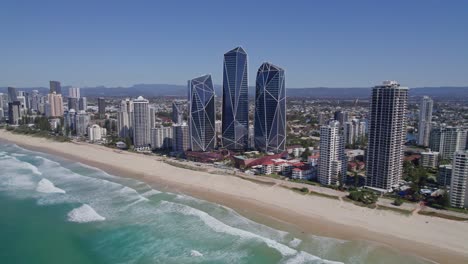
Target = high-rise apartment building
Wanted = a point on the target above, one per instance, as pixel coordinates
(459, 181)
(202, 113)
(235, 114)
(141, 123)
(14, 112)
(72, 103)
(82, 123)
(125, 119)
(161, 137)
(55, 87)
(447, 140)
(74, 92)
(56, 104)
(181, 137)
(12, 95)
(332, 162)
(387, 133)
(83, 103)
(270, 109)
(341, 116)
(101, 107)
(425, 121)
(178, 111)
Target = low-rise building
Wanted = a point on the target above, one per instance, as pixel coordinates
(429, 159)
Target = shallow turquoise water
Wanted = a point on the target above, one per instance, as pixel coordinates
(56, 211)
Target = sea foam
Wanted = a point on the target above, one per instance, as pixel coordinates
(195, 253)
(84, 214)
(46, 186)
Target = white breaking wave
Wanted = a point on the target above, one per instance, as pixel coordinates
(150, 193)
(84, 214)
(18, 155)
(295, 242)
(218, 226)
(46, 186)
(195, 253)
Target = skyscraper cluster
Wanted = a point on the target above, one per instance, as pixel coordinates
(269, 130)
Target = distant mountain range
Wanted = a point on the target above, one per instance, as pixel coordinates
(153, 90)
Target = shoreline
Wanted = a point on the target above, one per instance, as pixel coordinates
(439, 240)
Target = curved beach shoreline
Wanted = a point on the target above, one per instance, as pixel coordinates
(436, 239)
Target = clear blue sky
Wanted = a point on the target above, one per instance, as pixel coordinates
(318, 43)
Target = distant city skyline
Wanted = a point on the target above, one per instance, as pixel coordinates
(319, 44)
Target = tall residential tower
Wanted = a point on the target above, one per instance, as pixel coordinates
(387, 131)
(425, 119)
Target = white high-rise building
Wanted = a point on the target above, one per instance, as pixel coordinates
(387, 133)
(82, 123)
(353, 131)
(161, 137)
(459, 180)
(74, 92)
(447, 140)
(332, 161)
(141, 123)
(181, 137)
(96, 133)
(83, 103)
(125, 119)
(152, 117)
(425, 119)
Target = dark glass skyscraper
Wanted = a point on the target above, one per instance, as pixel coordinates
(12, 95)
(56, 87)
(235, 122)
(201, 113)
(270, 109)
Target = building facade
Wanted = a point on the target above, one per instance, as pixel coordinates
(161, 137)
(425, 121)
(459, 181)
(387, 133)
(202, 113)
(56, 104)
(332, 160)
(447, 140)
(55, 87)
(178, 111)
(82, 123)
(125, 119)
(101, 107)
(235, 114)
(270, 109)
(141, 123)
(181, 137)
(430, 159)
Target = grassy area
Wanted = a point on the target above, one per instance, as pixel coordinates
(371, 206)
(324, 195)
(396, 210)
(435, 214)
(256, 181)
(183, 166)
(37, 133)
(458, 210)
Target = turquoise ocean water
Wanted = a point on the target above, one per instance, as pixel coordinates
(56, 211)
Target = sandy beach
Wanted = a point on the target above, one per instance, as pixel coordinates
(436, 239)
